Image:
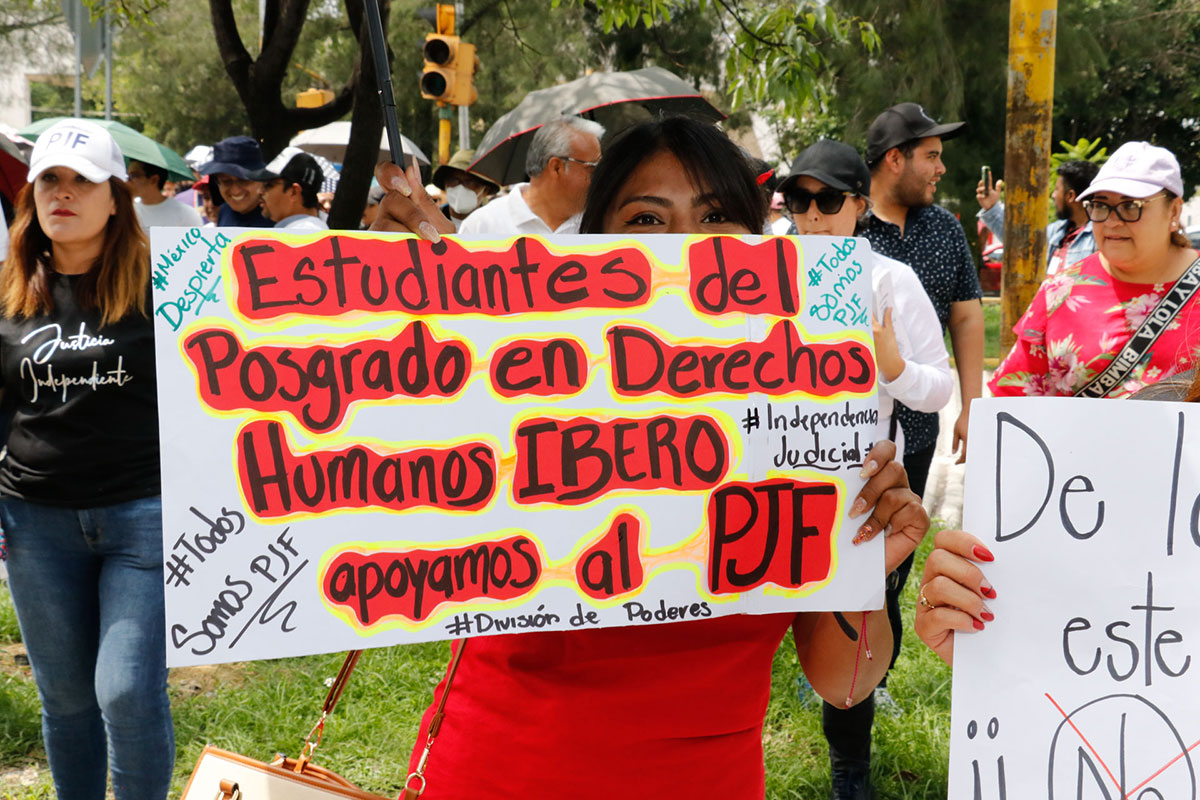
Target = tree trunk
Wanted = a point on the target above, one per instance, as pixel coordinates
(259, 82)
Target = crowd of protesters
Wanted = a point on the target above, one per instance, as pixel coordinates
(79, 474)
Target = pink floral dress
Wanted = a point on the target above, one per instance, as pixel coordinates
(1079, 321)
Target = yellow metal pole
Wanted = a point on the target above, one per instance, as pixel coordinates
(1031, 35)
(443, 133)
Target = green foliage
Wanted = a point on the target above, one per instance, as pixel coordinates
(1082, 150)
(776, 55)
(9, 630)
(1133, 75)
(171, 78)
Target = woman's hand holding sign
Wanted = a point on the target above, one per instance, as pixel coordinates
(406, 208)
(893, 506)
(953, 592)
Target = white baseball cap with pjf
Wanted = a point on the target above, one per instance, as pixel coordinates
(1138, 169)
(80, 145)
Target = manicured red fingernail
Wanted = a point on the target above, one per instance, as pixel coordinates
(988, 592)
(986, 615)
(978, 625)
(982, 553)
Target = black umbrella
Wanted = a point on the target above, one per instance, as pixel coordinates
(614, 99)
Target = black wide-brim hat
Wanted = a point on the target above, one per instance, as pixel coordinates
(903, 123)
(239, 156)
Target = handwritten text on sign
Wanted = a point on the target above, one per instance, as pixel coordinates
(373, 439)
(1083, 686)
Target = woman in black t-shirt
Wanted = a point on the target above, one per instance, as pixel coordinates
(79, 473)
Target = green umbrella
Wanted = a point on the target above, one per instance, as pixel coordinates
(135, 146)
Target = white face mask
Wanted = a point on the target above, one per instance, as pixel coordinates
(461, 199)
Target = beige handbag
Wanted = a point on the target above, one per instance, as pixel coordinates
(222, 775)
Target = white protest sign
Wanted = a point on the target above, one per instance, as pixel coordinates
(1084, 685)
(368, 439)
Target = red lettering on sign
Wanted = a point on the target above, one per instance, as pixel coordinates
(613, 565)
(413, 583)
(727, 274)
(277, 482)
(777, 531)
(317, 384)
(782, 364)
(575, 461)
(338, 274)
(544, 368)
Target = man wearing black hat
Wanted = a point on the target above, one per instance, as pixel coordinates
(234, 162)
(904, 152)
(290, 192)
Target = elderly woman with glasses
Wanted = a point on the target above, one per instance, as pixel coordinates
(1124, 317)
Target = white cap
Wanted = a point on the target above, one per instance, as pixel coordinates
(1138, 169)
(80, 145)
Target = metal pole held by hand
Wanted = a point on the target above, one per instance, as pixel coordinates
(383, 80)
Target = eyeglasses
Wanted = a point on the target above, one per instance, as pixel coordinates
(829, 201)
(224, 180)
(579, 161)
(1127, 210)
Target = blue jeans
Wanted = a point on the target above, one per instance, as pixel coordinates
(88, 589)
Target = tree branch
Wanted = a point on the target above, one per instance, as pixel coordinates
(234, 56)
(741, 24)
(26, 25)
(470, 21)
(270, 19)
(276, 55)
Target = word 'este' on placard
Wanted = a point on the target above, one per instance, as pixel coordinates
(338, 274)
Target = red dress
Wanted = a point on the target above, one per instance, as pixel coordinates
(1079, 320)
(660, 711)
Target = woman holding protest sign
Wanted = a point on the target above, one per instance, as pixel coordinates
(1125, 316)
(673, 710)
(1122, 319)
(954, 589)
(79, 475)
(827, 191)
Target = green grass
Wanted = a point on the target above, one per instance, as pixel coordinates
(991, 331)
(266, 707)
(991, 337)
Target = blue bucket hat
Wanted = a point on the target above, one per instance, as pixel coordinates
(238, 156)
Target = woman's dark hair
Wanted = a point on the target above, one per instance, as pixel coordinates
(709, 157)
(1178, 237)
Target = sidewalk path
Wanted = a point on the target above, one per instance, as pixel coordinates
(944, 488)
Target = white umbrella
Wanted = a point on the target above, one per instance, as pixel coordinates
(198, 156)
(329, 172)
(330, 141)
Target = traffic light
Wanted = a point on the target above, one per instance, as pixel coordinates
(449, 71)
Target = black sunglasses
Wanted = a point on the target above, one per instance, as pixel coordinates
(829, 201)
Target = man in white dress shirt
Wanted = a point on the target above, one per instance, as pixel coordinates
(560, 161)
